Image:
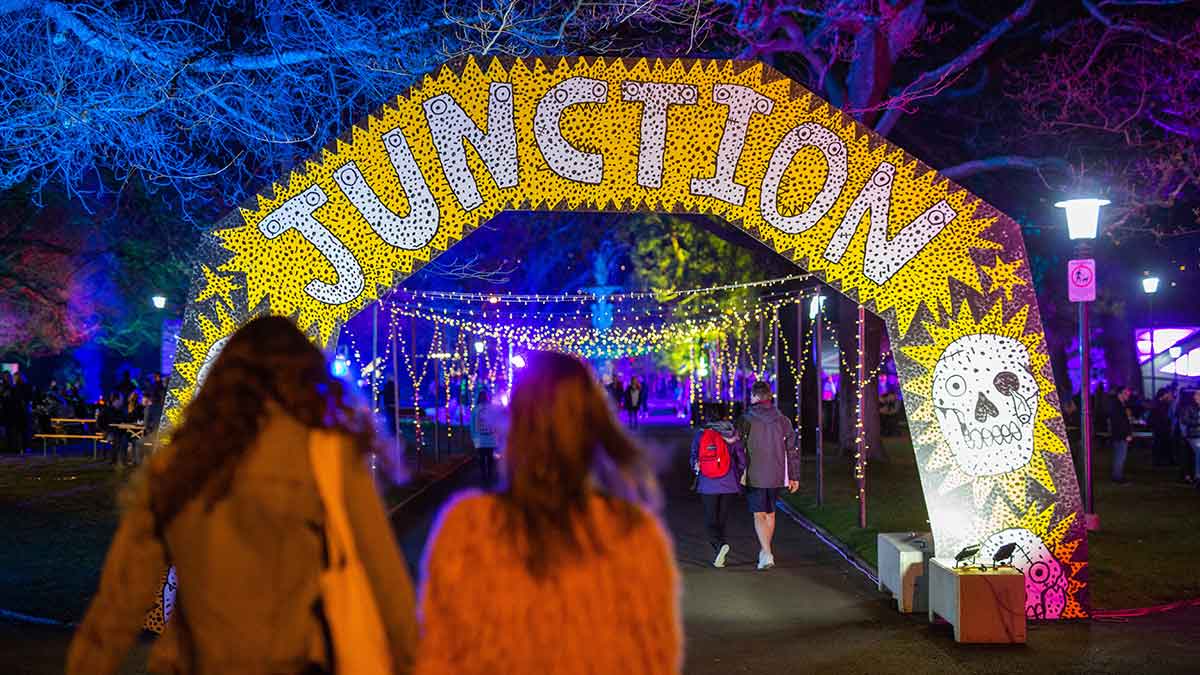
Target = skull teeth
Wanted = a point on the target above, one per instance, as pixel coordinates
(996, 435)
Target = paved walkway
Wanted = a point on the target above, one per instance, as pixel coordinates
(813, 613)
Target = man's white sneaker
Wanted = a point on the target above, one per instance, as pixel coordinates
(765, 560)
(719, 561)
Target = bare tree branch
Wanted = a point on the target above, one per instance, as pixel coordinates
(1003, 162)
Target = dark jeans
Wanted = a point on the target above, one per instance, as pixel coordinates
(487, 466)
(1120, 450)
(1163, 454)
(716, 513)
(1185, 458)
(633, 418)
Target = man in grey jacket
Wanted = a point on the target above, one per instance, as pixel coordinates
(774, 463)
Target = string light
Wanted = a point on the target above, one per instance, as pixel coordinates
(589, 296)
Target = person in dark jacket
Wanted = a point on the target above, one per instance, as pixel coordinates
(635, 401)
(9, 411)
(1160, 427)
(773, 463)
(1120, 431)
(1189, 426)
(717, 492)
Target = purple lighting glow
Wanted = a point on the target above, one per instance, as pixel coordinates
(1164, 338)
(1187, 365)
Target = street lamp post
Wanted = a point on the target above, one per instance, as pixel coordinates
(1150, 287)
(1083, 219)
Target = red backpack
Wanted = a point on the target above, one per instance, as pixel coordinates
(713, 456)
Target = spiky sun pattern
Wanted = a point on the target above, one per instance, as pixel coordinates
(1004, 500)
(245, 274)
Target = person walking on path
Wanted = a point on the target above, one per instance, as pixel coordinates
(1120, 432)
(635, 400)
(718, 459)
(235, 505)
(774, 463)
(566, 571)
(484, 436)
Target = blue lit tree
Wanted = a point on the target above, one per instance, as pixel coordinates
(166, 114)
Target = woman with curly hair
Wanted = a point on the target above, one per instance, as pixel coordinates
(566, 570)
(233, 504)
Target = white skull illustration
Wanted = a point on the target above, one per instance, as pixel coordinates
(1045, 582)
(986, 401)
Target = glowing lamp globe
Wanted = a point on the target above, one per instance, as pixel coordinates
(518, 361)
(1083, 216)
(160, 301)
(480, 345)
(1150, 285)
(340, 366)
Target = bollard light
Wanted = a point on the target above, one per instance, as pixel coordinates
(1083, 216)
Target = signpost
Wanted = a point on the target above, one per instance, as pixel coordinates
(1081, 284)
(1081, 280)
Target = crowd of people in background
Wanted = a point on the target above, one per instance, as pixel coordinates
(1171, 417)
(632, 400)
(27, 410)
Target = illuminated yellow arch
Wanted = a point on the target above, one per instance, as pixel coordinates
(735, 140)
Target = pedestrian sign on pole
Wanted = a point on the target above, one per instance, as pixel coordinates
(1081, 280)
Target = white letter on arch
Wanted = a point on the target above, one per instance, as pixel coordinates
(297, 213)
(807, 134)
(743, 102)
(563, 158)
(655, 97)
(411, 232)
(450, 126)
(885, 257)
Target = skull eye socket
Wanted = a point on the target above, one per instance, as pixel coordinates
(1007, 383)
(956, 385)
(1039, 571)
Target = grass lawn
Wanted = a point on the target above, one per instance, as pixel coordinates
(57, 517)
(1145, 553)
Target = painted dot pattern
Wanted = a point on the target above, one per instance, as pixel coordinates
(732, 140)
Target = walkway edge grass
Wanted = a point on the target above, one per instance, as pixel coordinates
(831, 541)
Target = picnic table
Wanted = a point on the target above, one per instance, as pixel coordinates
(62, 428)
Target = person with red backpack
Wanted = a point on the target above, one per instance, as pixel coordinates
(718, 460)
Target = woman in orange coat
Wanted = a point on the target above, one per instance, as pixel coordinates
(566, 571)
